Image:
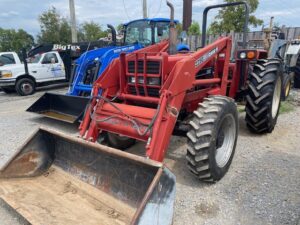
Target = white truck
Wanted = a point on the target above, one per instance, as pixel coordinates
(40, 70)
(46, 64)
(8, 58)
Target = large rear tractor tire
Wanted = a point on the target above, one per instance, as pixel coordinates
(264, 96)
(119, 142)
(212, 138)
(297, 74)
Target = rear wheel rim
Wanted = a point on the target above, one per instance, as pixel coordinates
(225, 140)
(26, 88)
(276, 98)
(287, 89)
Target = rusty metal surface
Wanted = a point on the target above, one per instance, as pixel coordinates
(32, 159)
(132, 179)
(120, 177)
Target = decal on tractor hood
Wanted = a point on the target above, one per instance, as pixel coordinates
(124, 49)
(205, 57)
(58, 47)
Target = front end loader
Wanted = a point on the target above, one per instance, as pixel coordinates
(57, 179)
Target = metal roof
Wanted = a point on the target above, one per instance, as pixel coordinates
(152, 20)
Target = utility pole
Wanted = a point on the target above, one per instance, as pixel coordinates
(187, 15)
(144, 9)
(73, 21)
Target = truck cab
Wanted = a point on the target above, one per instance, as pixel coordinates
(9, 58)
(42, 69)
(146, 31)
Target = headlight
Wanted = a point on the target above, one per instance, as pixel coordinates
(132, 80)
(5, 74)
(150, 80)
(140, 80)
(243, 55)
(153, 81)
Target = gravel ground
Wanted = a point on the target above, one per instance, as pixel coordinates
(9, 216)
(261, 187)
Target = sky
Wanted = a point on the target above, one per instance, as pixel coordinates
(24, 14)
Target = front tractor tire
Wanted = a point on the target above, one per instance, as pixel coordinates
(119, 142)
(264, 96)
(212, 138)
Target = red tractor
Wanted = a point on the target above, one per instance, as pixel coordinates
(155, 92)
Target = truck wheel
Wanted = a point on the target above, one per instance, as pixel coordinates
(286, 86)
(8, 90)
(264, 96)
(212, 138)
(25, 86)
(297, 74)
(119, 142)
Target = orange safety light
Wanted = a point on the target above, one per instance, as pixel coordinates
(250, 55)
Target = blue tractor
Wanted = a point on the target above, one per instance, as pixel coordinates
(70, 108)
(137, 34)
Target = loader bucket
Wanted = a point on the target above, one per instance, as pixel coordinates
(57, 179)
(65, 108)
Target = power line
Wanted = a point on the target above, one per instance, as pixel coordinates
(158, 9)
(126, 10)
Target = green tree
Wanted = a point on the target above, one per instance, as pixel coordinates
(232, 18)
(54, 28)
(15, 40)
(91, 31)
(194, 29)
(179, 28)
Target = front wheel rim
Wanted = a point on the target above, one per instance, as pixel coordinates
(26, 88)
(276, 98)
(287, 89)
(225, 140)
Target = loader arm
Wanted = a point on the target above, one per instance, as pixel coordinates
(109, 84)
(142, 113)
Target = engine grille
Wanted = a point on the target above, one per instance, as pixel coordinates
(152, 92)
(153, 67)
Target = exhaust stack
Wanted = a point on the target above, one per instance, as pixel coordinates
(113, 33)
(173, 31)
